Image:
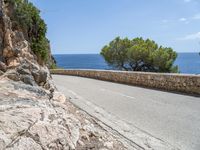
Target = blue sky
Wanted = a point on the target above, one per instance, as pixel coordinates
(85, 26)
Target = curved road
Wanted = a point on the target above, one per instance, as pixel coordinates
(168, 117)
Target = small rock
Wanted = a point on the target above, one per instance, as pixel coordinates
(59, 97)
(109, 145)
(41, 84)
(86, 121)
(3, 67)
(85, 137)
(13, 62)
(81, 143)
(47, 86)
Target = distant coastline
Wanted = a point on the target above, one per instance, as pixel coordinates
(188, 63)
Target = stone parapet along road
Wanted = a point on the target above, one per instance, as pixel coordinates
(147, 118)
(183, 83)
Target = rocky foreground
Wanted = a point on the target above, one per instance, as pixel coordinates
(34, 118)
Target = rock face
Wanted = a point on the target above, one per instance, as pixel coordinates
(33, 114)
(17, 60)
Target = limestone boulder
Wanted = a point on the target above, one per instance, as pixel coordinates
(40, 76)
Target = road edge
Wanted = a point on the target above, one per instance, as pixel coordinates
(132, 137)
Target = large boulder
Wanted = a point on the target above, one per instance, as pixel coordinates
(40, 76)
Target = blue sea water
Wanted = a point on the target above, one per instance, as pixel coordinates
(188, 63)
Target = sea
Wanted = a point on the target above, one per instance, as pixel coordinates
(188, 63)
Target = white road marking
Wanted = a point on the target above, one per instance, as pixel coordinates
(72, 92)
(121, 94)
(131, 97)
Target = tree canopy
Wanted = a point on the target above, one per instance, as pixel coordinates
(139, 55)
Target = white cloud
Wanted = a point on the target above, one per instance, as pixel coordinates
(195, 36)
(183, 19)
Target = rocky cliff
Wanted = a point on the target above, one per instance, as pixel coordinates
(17, 60)
(33, 114)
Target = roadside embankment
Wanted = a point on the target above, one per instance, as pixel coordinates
(184, 83)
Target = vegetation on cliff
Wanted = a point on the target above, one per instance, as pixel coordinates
(139, 55)
(26, 17)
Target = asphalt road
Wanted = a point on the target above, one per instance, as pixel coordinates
(173, 118)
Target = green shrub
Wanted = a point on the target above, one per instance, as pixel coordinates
(53, 66)
(27, 18)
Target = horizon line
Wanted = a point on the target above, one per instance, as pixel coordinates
(98, 53)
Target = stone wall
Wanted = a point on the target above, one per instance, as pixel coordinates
(183, 83)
